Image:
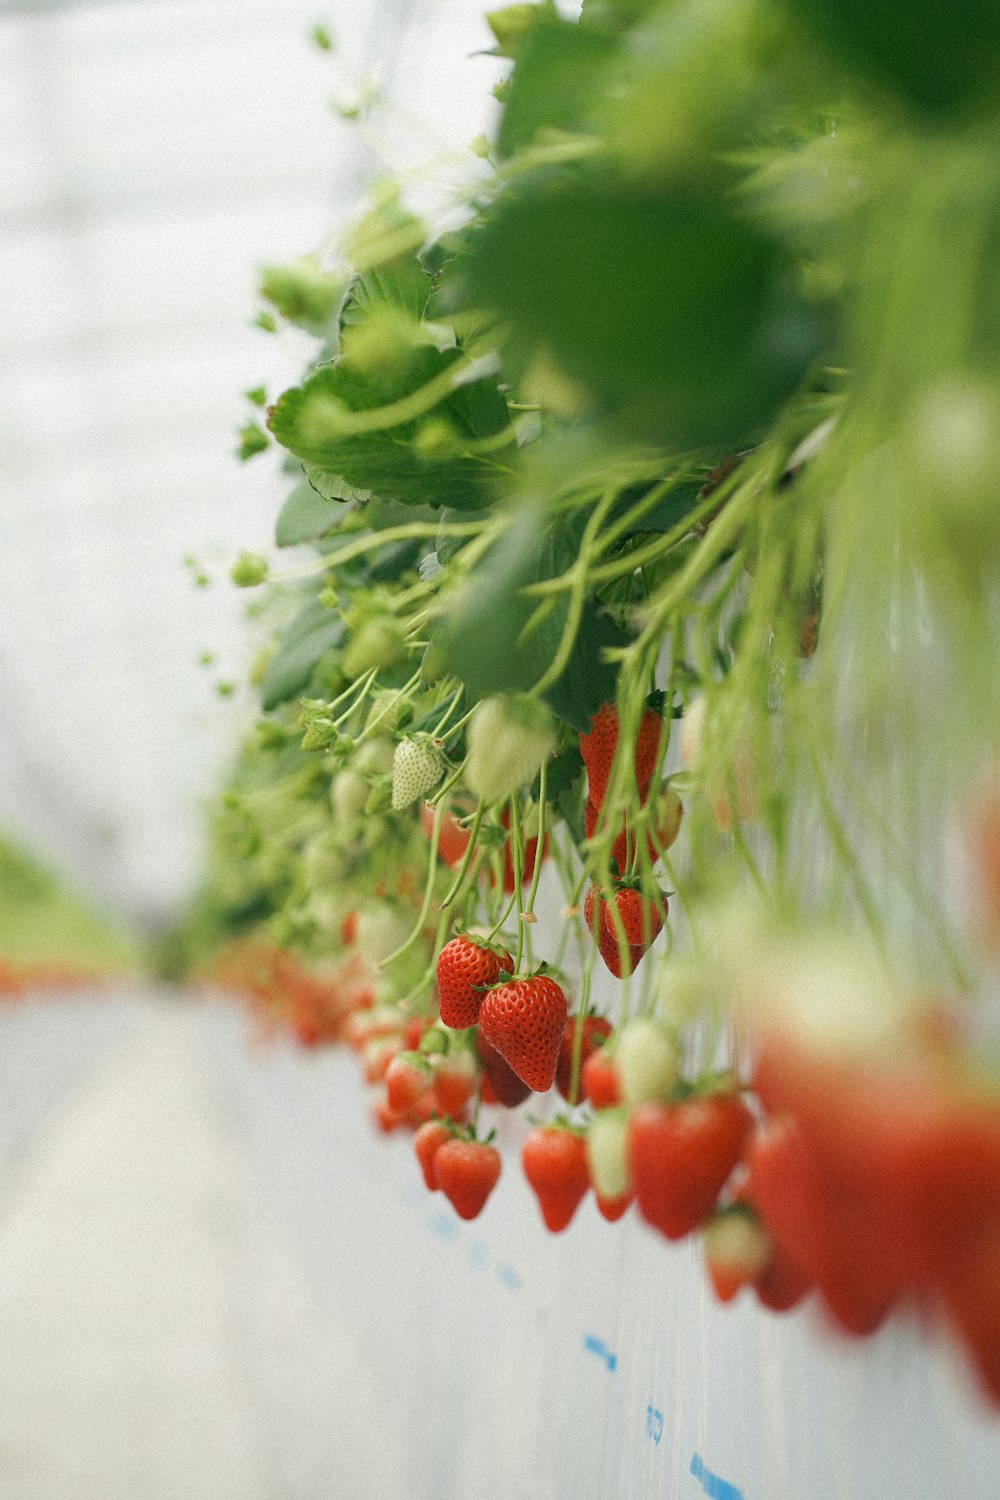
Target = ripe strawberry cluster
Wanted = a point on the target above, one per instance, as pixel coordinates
(285, 995)
(20, 977)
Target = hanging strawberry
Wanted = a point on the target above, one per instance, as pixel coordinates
(465, 970)
(524, 1019)
(467, 1171)
(554, 1159)
(600, 744)
(417, 766)
(680, 1157)
(641, 922)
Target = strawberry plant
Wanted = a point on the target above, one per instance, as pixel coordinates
(651, 618)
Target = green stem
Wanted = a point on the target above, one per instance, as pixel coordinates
(540, 843)
(362, 685)
(517, 837)
(470, 850)
(412, 531)
(418, 928)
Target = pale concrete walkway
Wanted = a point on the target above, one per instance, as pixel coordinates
(120, 1237)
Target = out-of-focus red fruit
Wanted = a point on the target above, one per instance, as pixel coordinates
(595, 1030)
(453, 839)
(427, 1141)
(600, 1080)
(386, 1118)
(499, 1077)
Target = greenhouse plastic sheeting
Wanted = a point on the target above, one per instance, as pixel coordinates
(398, 1350)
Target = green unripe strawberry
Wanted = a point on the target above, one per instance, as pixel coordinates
(249, 570)
(417, 766)
(324, 862)
(374, 757)
(381, 930)
(683, 991)
(377, 643)
(508, 740)
(348, 795)
(302, 292)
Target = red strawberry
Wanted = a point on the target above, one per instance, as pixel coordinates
(612, 1209)
(600, 1081)
(386, 1118)
(680, 1156)
(591, 813)
(454, 1082)
(465, 969)
(669, 815)
(971, 1293)
(453, 839)
(640, 920)
(597, 748)
(782, 1284)
(599, 745)
(555, 1164)
(407, 1079)
(427, 1142)
(595, 1029)
(501, 1084)
(530, 855)
(467, 1172)
(524, 1020)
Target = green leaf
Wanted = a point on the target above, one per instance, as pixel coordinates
(402, 284)
(333, 486)
(560, 68)
(306, 420)
(304, 517)
(564, 770)
(589, 679)
(391, 562)
(676, 314)
(447, 546)
(665, 514)
(313, 631)
(941, 59)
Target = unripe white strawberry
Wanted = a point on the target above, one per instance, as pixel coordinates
(348, 795)
(417, 766)
(376, 643)
(381, 930)
(692, 730)
(737, 1249)
(606, 1154)
(669, 812)
(326, 909)
(508, 739)
(324, 862)
(373, 757)
(684, 990)
(648, 1061)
